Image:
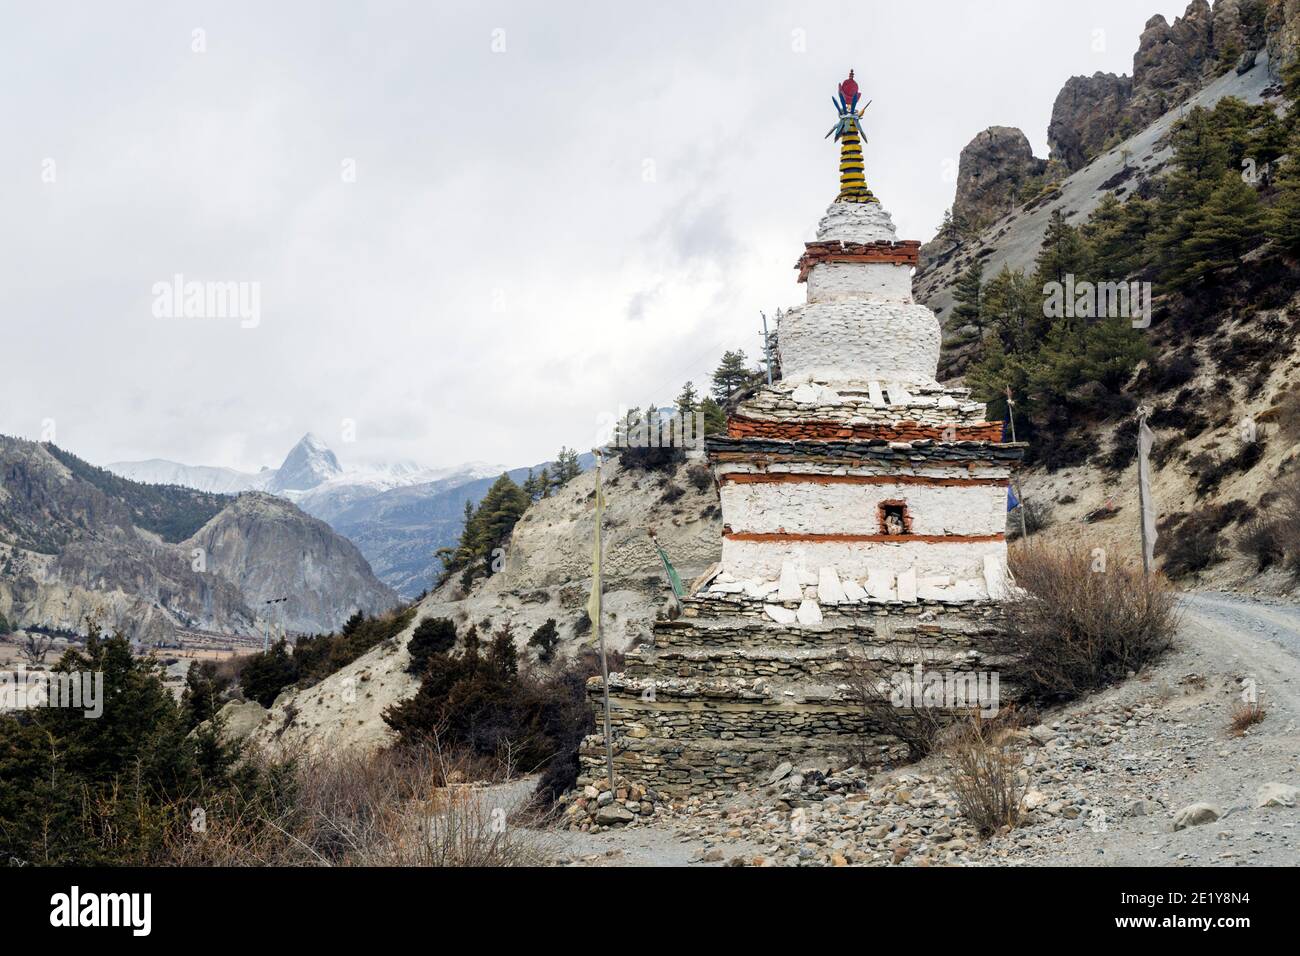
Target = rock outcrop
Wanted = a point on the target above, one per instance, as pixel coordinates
(1083, 116)
(994, 166)
(1172, 62)
(269, 549)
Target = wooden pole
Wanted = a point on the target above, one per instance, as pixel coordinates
(1142, 498)
(599, 585)
(1011, 417)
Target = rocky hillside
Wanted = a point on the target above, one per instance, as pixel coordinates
(1222, 352)
(270, 549)
(78, 541)
(546, 574)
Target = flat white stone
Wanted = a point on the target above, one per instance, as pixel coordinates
(727, 587)
(877, 394)
(779, 614)
(760, 589)
(809, 613)
(907, 586)
(880, 585)
(788, 588)
(854, 591)
(995, 576)
(804, 395)
(829, 590)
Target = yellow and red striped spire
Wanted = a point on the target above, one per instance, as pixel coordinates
(850, 134)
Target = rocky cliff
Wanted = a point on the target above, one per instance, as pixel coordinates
(269, 549)
(77, 542)
(1172, 62)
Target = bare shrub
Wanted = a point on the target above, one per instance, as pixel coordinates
(407, 807)
(34, 646)
(1273, 538)
(1077, 623)
(984, 773)
(870, 688)
(1261, 539)
(1244, 716)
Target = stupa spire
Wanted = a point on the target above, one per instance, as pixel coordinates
(849, 133)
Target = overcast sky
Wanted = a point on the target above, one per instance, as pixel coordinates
(473, 228)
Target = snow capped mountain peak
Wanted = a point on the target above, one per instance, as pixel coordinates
(308, 464)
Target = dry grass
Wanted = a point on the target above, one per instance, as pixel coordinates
(984, 764)
(395, 808)
(1244, 716)
(1079, 623)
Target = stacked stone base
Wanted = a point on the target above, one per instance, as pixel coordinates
(723, 695)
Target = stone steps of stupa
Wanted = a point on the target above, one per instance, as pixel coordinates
(831, 664)
(680, 767)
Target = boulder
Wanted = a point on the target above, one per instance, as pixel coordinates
(1195, 815)
(614, 815)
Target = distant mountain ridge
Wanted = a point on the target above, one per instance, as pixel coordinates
(398, 514)
(151, 561)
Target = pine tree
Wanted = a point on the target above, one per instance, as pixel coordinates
(730, 376)
(1218, 233)
(566, 467)
(1063, 252)
(688, 401)
(715, 417)
(1284, 221)
(968, 298)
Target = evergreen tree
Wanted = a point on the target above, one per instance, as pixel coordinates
(968, 298)
(265, 675)
(201, 698)
(730, 376)
(715, 417)
(544, 639)
(1063, 252)
(688, 401)
(566, 467)
(1216, 234)
(1284, 220)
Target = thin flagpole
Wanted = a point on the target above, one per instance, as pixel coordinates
(598, 595)
(1020, 493)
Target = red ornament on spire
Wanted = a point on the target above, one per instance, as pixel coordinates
(849, 88)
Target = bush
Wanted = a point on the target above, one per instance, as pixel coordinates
(700, 477)
(984, 773)
(409, 807)
(1274, 536)
(106, 791)
(1213, 474)
(1261, 539)
(321, 655)
(433, 635)
(544, 639)
(672, 493)
(265, 675)
(1192, 543)
(1076, 625)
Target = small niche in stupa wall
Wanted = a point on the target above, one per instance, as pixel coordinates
(894, 518)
